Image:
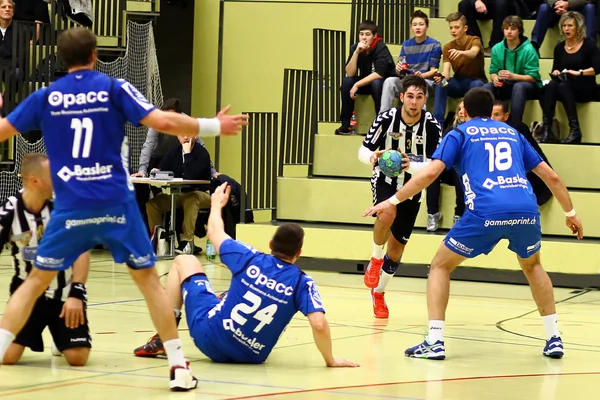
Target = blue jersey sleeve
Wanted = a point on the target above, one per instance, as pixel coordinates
(132, 103)
(28, 114)
(531, 158)
(308, 297)
(236, 255)
(448, 151)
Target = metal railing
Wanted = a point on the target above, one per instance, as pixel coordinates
(329, 58)
(392, 17)
(259, 163)
(298, 118)
(107, 18)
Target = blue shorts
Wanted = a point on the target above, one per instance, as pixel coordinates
(71, 233)
(473, 235)
(199, 299)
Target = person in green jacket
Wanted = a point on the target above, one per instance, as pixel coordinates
(514, 68)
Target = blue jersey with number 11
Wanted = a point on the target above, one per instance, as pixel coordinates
(82, 117)
(492, 160)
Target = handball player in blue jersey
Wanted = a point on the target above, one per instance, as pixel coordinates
(82, 117)
(266, 292)
(492, 160)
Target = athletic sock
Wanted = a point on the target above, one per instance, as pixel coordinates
(174, 352)
(551, 326)
(6, 338)
(386, 274)
(378, 251)
(436, 331)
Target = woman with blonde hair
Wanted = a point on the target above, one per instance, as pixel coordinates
(450, 177)
(576, 63)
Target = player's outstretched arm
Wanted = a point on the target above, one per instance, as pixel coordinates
(322, 337)
(216, 228)
(73, 309)
(559, 190)
(7, 130)
(183, 125)
(414, 186)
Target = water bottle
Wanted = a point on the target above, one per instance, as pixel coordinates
(211, 252)
(353, 123)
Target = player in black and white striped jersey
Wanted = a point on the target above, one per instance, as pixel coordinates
(415, 133)
(62, 307)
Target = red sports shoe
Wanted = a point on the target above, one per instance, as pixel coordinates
(380, 309)
(152, 348)
(182, 379)
(372, 273)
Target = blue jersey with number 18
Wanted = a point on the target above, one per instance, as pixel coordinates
(82, 117)
(492, 160)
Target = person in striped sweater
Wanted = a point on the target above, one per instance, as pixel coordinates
(422, 54)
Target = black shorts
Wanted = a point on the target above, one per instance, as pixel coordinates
(406, 212)
(46, 314)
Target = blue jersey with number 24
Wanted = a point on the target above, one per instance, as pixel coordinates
(264, 295)
(492, 160)
(82, 117)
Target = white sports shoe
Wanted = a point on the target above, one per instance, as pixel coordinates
(182, 379)
(54, 350)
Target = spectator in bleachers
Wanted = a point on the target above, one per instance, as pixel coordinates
(514, 68)
(7, 10)
(496, 10)
(464, 55)
(422, 55)
(541, 191)
(370, 62)
(579, 58)
(32, 11)
(450, 177)
(550, 12)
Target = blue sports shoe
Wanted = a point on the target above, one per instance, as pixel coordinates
(435, 351)
(554, 347)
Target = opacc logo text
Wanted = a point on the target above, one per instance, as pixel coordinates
(68, 99)
(474, 130)
(260, 279)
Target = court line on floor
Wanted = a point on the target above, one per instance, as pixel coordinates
(371, 385)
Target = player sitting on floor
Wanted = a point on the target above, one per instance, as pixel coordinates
(62, 306)
(266, 292)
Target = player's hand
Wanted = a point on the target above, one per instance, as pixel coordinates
(138, 175)
(231, 125)
(506, 75)
(72, 312)
(221, 196)
(375, 156)
(405, 160)
(575, 225)
(384, 205)
(341, 363)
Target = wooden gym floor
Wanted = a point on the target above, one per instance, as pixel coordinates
(494, 339)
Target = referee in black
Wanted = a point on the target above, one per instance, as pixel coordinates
(61, 308)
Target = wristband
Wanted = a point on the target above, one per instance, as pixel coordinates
(209, 126)
(394, 200)
(78, 291)
(571, 213)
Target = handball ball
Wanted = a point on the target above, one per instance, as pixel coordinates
(390, 163)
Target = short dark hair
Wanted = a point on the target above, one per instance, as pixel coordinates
(456, 16)
(32, 163)
(513, 21)
(368, 25)
(287, 240)
(420, 14)
(503, 104)
(413, 80)
(172, 104)
(479, 102)
(76, 46)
